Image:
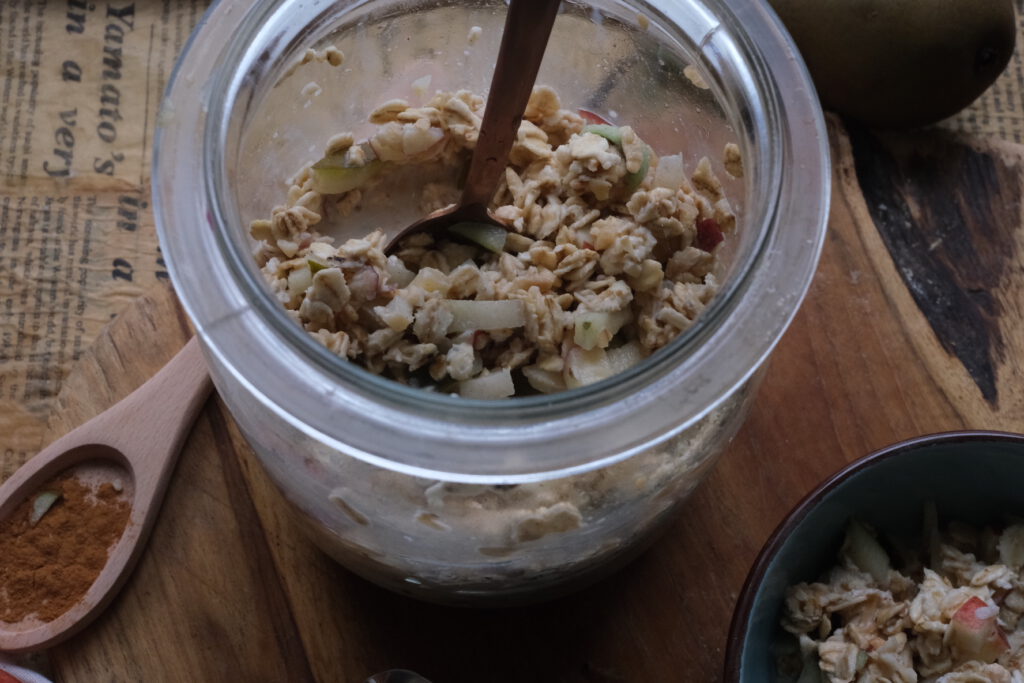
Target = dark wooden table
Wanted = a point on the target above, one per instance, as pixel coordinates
(914, 324)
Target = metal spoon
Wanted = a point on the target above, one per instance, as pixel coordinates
(143, 434)
(527, 28)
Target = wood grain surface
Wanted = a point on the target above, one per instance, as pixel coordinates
(914, 324)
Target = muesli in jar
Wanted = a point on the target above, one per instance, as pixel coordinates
(611, 250)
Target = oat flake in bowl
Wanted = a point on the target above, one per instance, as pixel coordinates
(950, 611)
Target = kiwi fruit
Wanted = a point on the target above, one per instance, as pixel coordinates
(901, 63)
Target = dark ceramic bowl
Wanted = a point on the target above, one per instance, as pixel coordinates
(973, 477)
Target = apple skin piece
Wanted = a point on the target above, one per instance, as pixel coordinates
(609, 132)
(633, 180)
(709, 234)
(336, 174)
(975, 633)
(591, 117)
(331, 175)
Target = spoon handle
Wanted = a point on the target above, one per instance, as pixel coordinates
(527, 28)
(136, 428)
(150, 424)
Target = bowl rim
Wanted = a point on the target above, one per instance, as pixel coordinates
(738, 626)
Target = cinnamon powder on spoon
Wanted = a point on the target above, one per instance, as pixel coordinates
(46, 567)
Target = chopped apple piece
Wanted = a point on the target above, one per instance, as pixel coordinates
(495, 385)
(430, 280)
(322, 251)
(334, 175)
(490, 237)
(339, 179)
(670, 172)
(865, 552)
(421, 142)
(624, 357)
(41, 505)
(593, 329)
(709, 234)
(485, 315)
(584, 367)
(299, 280)
(544, 381)
(975, 633)
(363, 283)
(397, 272)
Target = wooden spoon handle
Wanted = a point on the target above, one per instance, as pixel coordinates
(527, 28)
(153, 420)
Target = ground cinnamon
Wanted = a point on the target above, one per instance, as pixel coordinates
(46, 567)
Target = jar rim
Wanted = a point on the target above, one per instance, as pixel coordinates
(520, 427)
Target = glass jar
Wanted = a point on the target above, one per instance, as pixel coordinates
(453, 499)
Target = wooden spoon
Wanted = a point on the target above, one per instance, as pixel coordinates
(527, 28)
(142, 434)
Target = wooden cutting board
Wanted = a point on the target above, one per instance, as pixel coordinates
(914, 324)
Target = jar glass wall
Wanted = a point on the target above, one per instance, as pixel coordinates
(450, 498)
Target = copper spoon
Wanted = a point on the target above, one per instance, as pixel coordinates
(527, 28)
(142, 434)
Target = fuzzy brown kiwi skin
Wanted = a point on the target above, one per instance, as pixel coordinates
(901, 63)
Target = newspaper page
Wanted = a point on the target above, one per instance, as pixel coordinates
(81, 84)
(999, 113)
